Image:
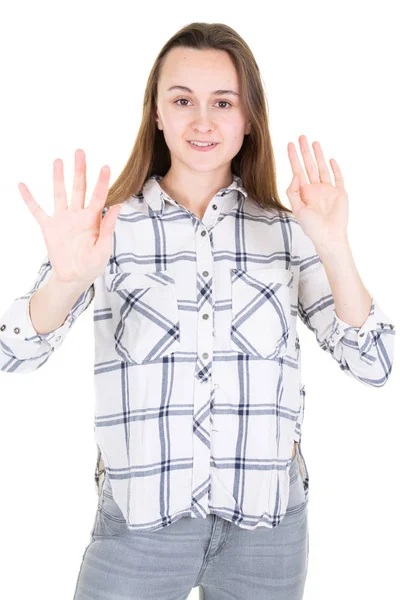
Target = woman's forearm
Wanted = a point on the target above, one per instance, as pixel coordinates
(352, 299)
(50, 304)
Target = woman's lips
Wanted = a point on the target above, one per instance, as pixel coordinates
(203, 148)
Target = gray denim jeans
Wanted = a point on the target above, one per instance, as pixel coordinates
(224, 560)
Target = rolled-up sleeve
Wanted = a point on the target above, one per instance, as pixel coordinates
(22, 349)
(365, 352)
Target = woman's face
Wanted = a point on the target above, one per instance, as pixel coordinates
(200, 114)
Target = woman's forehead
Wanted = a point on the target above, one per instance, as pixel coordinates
(199, 70)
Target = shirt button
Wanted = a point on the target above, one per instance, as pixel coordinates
(203, 233)
(204, 355)
(215, 206)
(58, 338)
(16, 330)
(361, 334)
(205, 316)
(2, 328)
(205, 273)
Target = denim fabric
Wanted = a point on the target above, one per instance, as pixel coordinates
(226, 562)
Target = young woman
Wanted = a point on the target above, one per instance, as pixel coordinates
(198, 273)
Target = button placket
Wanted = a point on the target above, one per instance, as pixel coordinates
(205, 326)
(202, 424)
(205, 337)
(211, 214)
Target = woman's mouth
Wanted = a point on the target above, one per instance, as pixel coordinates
(202, 148)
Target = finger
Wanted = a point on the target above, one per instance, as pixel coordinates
(107, 225)
(79, 184)
(324, 174)
(309, 162)
(31, 203)
(296, 165)
(100, 191)
(339, 181)
(60, 193)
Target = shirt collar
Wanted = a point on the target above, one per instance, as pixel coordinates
(156, 197)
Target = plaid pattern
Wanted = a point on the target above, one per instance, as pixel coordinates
(198, 390)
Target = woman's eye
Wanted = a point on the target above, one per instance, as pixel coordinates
(179, 100)
(186, 100)
(224, 102)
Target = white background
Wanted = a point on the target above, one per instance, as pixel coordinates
(73, 76)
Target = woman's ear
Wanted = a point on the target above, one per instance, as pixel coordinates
(157, 117)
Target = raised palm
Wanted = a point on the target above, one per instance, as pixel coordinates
(77, 238)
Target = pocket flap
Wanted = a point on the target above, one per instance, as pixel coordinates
(268, 275)
(126, 280)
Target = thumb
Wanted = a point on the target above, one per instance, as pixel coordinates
(293, 193)
(107, 225)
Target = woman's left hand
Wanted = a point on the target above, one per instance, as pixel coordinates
(321, 208)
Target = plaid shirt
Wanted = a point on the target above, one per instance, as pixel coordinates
(198, 390)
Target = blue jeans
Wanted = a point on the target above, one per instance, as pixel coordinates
(227, 562)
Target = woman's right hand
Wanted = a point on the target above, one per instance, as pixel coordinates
(78, 239)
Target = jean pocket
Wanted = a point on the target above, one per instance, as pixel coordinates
(297, 498)
(261, 311)
(110, 520)
(145, 314)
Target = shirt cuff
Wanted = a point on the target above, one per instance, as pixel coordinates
(16, 327)
(364, 336)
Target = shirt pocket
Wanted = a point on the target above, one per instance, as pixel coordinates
(261, 311)
(145, 314)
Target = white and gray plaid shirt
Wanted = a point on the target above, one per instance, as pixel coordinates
(198, 391)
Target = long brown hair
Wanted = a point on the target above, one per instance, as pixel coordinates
(254, 163)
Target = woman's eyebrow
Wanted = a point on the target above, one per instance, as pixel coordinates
(215, 93)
